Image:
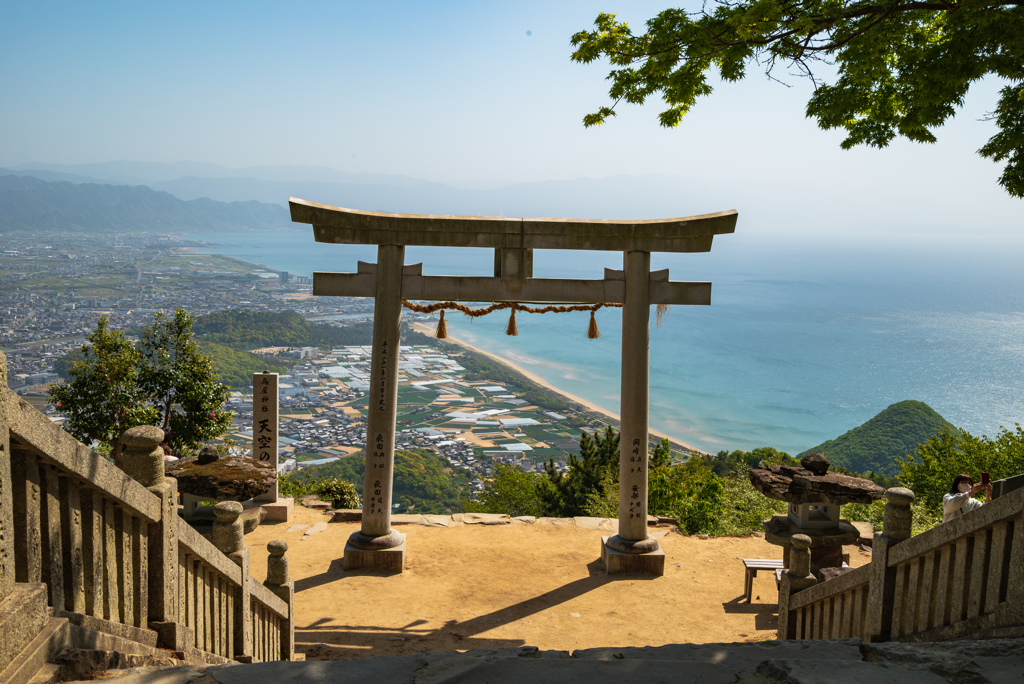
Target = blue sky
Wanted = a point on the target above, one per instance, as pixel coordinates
(454, 92)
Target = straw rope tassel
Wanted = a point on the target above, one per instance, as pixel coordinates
(662, 310)
(442, 328)
(592, 332)
(512, 330)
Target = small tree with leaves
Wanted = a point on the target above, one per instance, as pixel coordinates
(103, 396)
(181, 382)
(163, 380)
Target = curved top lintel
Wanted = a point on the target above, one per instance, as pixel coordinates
(350, 226)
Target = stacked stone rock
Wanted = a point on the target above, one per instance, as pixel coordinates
(811, 483)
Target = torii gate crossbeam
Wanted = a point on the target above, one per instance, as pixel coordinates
(390, 281)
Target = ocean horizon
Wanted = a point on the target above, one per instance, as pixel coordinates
(808, 334)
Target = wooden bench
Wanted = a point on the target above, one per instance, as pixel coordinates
(752, 565)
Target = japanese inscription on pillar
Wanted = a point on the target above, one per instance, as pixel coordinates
(264, 417)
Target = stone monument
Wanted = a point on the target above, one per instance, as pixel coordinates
(265, 443)
(814, 496)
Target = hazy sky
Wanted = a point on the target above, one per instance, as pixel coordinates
(449, 92)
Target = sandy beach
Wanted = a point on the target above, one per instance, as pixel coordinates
(429, 331)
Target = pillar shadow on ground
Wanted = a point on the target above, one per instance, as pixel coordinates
(765, 614)
(354, 640)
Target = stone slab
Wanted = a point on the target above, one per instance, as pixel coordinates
(486, 519)
(557, 522)
(867, 532)
(388, 560)
(739, 656)
(618, 563)
(295, 528)
(279, 511)
(527, 519)
(347, 515)
(813, 672)
(315, 529)
(320, 505)
(406, 519)
(437, 521)
(586, 523)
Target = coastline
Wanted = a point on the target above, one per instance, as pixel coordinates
(429, 331)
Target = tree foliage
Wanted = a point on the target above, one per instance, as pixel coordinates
(511, 491)
(181, 381)
(904, 66)
(243, 329)
(940, 459)
(163, 380)
(103, 396)
(422, 479)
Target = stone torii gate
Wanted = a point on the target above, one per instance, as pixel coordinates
(390, 281)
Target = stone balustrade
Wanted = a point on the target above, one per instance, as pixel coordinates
(961, 579)
(104, 548)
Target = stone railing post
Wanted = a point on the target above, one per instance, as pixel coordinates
(282, 586)
(896, 527)
(797, 578)
(228, 537)
(143, 460)
(6, 489)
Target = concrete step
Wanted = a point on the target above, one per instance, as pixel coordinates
(49, 673)
(809, 662)
(49, 641)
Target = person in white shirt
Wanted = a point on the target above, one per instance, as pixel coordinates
(960, 498)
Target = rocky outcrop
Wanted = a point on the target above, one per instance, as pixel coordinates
(812, 483)
(229, 479)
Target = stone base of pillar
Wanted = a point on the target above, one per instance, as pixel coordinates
(278, 511)
(389, 560)
(617, 562)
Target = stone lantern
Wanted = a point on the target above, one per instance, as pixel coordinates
(814, 496)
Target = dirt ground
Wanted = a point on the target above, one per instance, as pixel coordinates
(475, 586)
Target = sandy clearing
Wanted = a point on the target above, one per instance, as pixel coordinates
(475, 586)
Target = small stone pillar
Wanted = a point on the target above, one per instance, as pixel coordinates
(143, 460)
(375, 546)
(896, 527)
(228, 537)
(797, 578)
(282, 586)
(632, 550)
(6, 489)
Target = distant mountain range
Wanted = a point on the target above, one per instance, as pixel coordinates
(28, 203)
(893, 433)
(617, 197)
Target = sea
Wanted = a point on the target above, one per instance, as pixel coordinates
(808, 334)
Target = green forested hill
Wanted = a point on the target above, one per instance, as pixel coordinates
(421, 477)
(235, 368)
(891, 434)
(243, 329)
(27, 203)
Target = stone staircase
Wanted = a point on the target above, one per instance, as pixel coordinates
(996, 661)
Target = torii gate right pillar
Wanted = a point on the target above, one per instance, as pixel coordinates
(632, 550)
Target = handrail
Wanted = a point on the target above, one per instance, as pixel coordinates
(845, 582)
(263, 595)
(38, 433)
(197, 544)
(969, 523)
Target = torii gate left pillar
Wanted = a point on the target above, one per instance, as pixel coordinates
(376, 545)
(632, 550)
